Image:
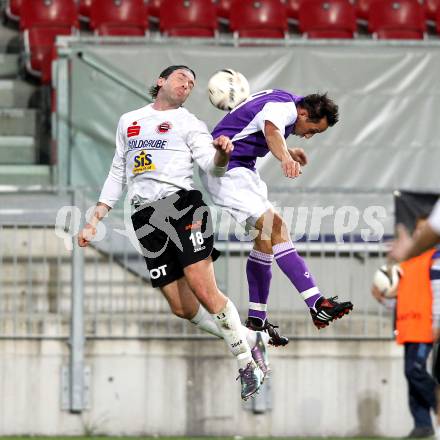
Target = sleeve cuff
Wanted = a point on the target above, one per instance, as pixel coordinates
(107, 202)
(219, 171)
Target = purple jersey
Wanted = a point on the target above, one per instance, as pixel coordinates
(245, 124)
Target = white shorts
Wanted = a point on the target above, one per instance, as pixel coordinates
(241, 192)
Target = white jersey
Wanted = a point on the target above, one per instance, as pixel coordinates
(155, 151)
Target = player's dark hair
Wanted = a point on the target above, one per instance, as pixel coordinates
(320, 106)
(154, 90)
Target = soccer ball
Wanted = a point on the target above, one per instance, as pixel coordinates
(386, 279)
(227, 88)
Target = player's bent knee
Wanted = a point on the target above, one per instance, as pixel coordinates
(278, 223)
(264, 246)
(279, 228)
(184, 311)
(181, 313)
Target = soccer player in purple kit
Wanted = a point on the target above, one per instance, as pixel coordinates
(256, 127)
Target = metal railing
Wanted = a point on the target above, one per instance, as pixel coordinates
(41, 280)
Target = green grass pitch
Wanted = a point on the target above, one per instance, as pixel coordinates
(194, 438)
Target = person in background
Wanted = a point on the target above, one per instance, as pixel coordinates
(405, 246)
(417, 328)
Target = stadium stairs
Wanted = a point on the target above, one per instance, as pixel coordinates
(35, 267)
(35, 290)
(23, 147)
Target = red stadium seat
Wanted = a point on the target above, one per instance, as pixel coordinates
(13, 8)
(119, 17)
(258, 19)
(188, 18)
(224, 9)
(84, 7)
(327, 19)
(399, 19)
(39, 47)
(48, 13)
(154, 9)
(41, 22)
(431, 9)
(437, 21)
(292, 9)
(363, 9)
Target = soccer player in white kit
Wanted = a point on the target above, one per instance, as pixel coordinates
(258, 126)
(156, 146)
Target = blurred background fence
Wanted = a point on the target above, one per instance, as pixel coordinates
(39, 274)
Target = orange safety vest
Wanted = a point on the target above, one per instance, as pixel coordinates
(414, 300)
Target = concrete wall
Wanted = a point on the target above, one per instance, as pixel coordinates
(319, 388)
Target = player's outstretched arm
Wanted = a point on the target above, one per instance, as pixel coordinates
(86, 235)
(224, 148)
(299, 155)
(277, 146)
(405, 247)
(200, 142)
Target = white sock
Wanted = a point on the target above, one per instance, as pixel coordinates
(229, 324)
(204, 321)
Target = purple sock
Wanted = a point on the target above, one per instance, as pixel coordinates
(259, 274)
(296, 270)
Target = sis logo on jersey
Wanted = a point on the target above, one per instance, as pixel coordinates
(133, 130)
(143, 163)
(164, 127)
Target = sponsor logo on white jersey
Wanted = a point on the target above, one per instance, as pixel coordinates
(143, 162)
(133, 130)
(164, 127)
(134, 144)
